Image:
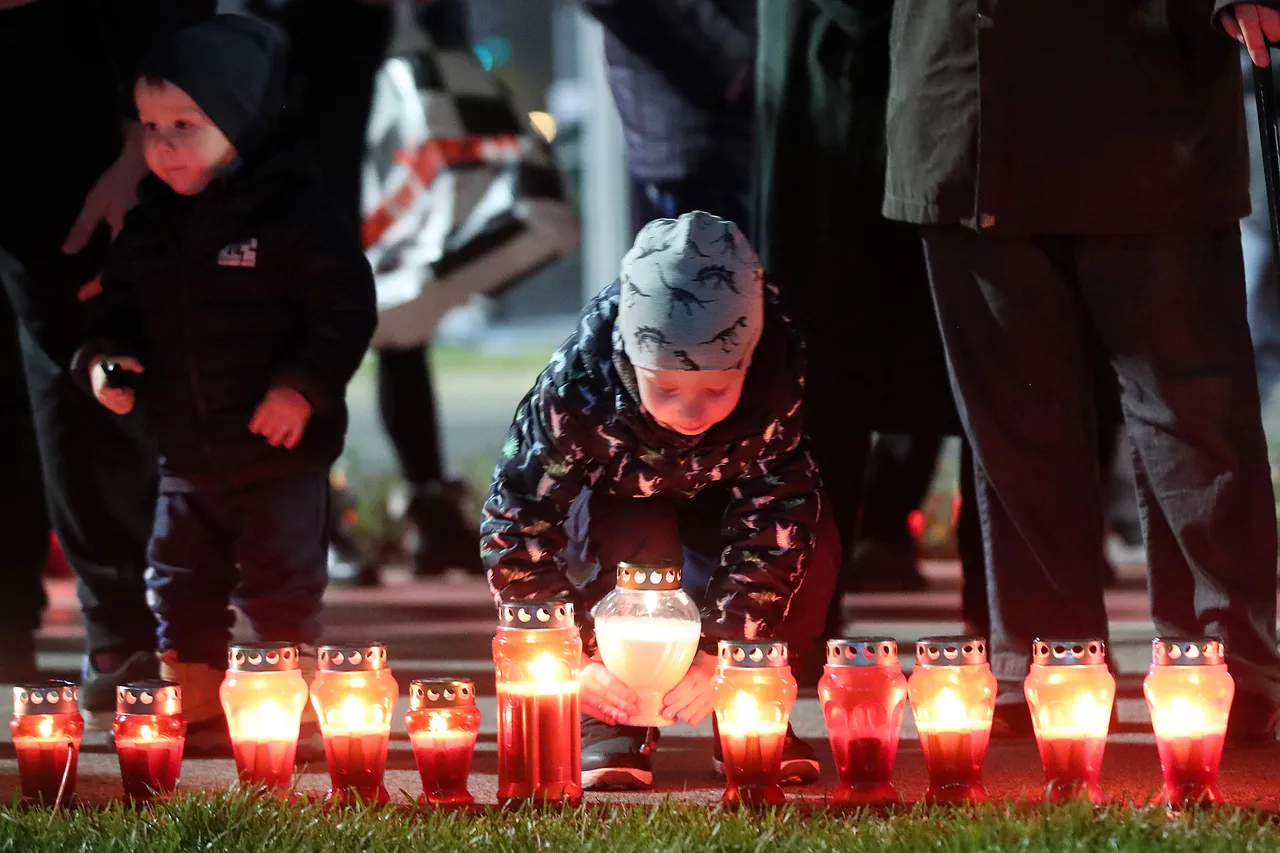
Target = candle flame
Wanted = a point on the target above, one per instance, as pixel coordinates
(146, 733)
(46, 727)
(268, 721)
(1183, 718)
(355, 715)
(746, 712)
(947, 707)
(545, 667)
(438, 725)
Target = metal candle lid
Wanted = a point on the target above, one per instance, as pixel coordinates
(951, 651)
(162, 698)
(648, 576)
(1090, 652)
(1187, 651)
(545, 613)
(370, 658)
(752, 654)
(51, 697)
(862, 651)
(441, 693)
(265, 657)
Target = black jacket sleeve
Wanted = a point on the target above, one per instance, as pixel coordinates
(131, 27)
(339, 307)
(695, 46)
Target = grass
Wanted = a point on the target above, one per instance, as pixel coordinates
(232, 822)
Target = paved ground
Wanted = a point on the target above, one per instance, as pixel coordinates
(444, 628)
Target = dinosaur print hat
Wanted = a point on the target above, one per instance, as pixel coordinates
(692, 296)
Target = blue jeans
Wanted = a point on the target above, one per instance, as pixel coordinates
(262, 547)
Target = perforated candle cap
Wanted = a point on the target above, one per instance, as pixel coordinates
(862, 651)
(752, 654)
(441, 693)
(951, 651)
(1187, 651)
(266, 657)
(366, 658)
(536, 614)
(659, 577)
(49, 697)
(162, 698)
(1089, 652)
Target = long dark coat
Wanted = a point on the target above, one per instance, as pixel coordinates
(856, 281)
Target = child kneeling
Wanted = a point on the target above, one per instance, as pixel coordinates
(667, 429)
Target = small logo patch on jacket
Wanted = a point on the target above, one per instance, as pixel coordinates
(244, 254)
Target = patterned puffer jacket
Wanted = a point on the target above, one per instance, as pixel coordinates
(582, 425)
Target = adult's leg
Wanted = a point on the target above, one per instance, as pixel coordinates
(1021, 358)
(973, 567)
(1172, 312)
(1261, 280)
(899, 471)
(22, 510)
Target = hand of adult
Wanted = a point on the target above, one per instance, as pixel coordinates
(1254, 26)
(114, 195)
(604, 696)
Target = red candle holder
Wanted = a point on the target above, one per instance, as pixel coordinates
(537, 657)
(953, 695)
(443, 722)
(150, 733)
(752, 692)
(864, 697)
(1070, 692)
(353, 694)
(47, 729)
(263, 695)
(1189, 693)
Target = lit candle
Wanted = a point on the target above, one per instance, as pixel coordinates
(952, 694)
(443, 722)
(1189, 694)
(150, 733)
(353, 694)
(863, 694)
(537, 655)
(647, 629)
(263, 695)
(752, 692)
(1070, 693)
(47, 729)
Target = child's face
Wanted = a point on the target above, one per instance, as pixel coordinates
(690, 402)
(183, 146)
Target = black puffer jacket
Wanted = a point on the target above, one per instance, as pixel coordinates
(255, 282)
(582, 424)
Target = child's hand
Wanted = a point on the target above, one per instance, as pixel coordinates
(118, 400)
(690, 700)
(281, 417)
(604, 696)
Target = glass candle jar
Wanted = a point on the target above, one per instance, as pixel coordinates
(353, 695)
(864, 698)
(443, 722)
(263, 695)
(47, 729)
(752, 692)
(1070, 693)
(1189, 694)
(953, 694)
(537, 658)
(150, 733)
(647, 629)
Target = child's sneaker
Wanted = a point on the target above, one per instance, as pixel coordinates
(799, 761)
(207, 732)
(615, 758)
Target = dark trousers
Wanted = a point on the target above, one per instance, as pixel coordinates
(727, 197)
(260, 547)
(98, 469)
(407, 402)
(1022, 320)
(605, 530)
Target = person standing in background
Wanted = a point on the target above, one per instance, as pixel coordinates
(70, 162)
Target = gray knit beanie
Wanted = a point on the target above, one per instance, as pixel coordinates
(692, 296)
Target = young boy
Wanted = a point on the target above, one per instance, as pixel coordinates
(667, 428)
(243, 305)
